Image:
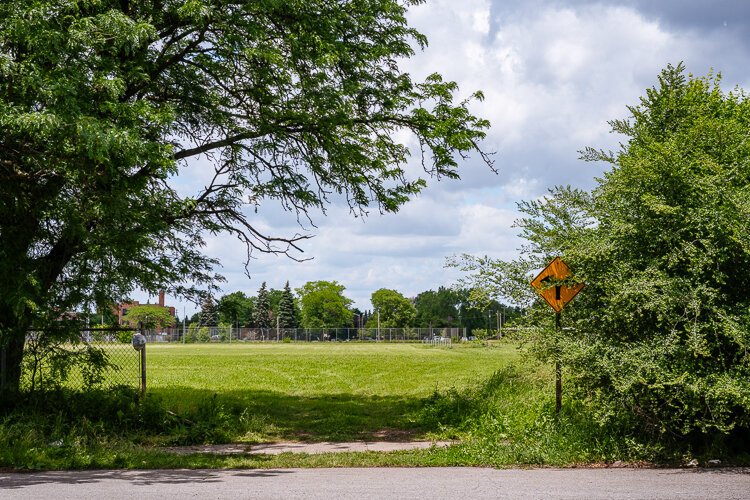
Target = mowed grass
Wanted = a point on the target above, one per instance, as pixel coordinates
(318, 391)
(497, 406)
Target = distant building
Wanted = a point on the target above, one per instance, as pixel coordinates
(123, 308)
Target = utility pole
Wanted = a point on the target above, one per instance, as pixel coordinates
(184, 324)
(378, 326)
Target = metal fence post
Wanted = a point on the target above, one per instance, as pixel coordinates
(143, 370)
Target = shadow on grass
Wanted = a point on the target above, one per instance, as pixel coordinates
(268, 415)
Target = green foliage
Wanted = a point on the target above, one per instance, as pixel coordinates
(498, 420)
(483, 334)
(235, 308)
(660, 335)
(209, 313)
(150, 316)
(50, 362)
(464, 307)
(324, 305)
(508, 419)
(262, 311)
(395, 310)
(125, 336)
(437, 308)
(287, 313)
(103, 105)
(197, 333)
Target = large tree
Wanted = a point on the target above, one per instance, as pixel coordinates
(288, 313)
(262, 311)
(324, 305)
(209, 312)
(150, 316)
(104, 104)
(660, 336)
(437, 308)
(235, 309)
(392, 309)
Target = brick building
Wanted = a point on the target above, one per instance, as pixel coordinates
(122, 309)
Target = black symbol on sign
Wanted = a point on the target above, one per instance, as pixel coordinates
(557, 287)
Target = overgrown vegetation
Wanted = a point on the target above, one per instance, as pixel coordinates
(496, 406)
(657, 343)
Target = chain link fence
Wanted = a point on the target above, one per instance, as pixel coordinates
(102, 358)
(230, 334)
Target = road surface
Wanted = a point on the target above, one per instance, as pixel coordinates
(459, 483)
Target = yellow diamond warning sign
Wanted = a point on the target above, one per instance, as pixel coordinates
(551, 285)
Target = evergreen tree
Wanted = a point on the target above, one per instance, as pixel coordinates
(261, 317)
(288, 317)
(209, 315)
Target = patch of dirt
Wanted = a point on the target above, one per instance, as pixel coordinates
(213, 449)
(397, 435)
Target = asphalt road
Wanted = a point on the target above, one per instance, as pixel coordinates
(429, 483)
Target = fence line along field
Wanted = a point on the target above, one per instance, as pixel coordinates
(321, 391)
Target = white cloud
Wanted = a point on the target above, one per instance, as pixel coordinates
(552, 74)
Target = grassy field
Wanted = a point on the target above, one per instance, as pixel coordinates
(498, 407)
(320, 391)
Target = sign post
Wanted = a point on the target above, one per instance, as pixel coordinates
(554, 285)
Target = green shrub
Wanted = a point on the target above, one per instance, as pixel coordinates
(659, 340)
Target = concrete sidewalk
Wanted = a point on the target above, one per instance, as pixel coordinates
(310, 448)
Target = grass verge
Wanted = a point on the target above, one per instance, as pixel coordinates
(499, 408)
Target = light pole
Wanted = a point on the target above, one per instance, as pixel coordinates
(184, 324)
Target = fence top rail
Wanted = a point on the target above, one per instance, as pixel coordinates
(113, 329)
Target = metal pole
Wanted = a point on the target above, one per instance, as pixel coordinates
(184, 324)
(378, 336)
(558, 371)
(143, 370)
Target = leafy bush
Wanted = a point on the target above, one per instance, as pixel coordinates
(660, 338)
(48, 363)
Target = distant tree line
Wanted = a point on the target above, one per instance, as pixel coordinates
(323, 304)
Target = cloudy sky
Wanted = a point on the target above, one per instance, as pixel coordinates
(553, 73)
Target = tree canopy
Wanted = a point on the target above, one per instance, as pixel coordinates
(150, 316)
(104, 104)
(324, 305)
(394, 310)
(660, 335)
(235, 309)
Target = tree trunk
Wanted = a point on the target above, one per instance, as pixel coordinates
(11, 357)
